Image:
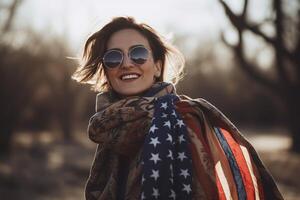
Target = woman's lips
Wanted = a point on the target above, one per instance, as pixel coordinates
(131, 76)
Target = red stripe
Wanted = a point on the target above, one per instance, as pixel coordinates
(185, 108)
(209, 185)
(220, 189)
(258, 178)
(242, 164)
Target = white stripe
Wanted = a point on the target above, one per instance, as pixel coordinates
(248, 161)
(223, 180)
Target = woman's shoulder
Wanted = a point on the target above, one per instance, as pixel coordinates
(206, 109)
(198, 103)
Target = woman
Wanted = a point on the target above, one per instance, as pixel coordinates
(152, 143)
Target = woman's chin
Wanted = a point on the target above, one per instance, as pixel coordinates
(132, 91)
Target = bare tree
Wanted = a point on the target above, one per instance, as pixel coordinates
(286, 84)
(10, 106)
(34, 77)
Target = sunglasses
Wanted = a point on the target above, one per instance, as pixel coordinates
(114, 58)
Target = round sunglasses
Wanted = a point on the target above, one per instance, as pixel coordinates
(114, 58)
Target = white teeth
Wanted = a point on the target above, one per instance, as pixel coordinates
(129, 76)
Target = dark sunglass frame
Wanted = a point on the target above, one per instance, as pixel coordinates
(119, 62)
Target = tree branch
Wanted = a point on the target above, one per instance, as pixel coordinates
(11, 15)
(250, 68)
(239, 22)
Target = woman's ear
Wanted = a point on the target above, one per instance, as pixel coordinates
(107, 79)
(158, 67)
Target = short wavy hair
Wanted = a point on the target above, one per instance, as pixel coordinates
(91, 69)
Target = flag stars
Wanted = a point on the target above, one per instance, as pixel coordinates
(155, 157)
(172, 195)
(170, 138)
(155, 174)
(187, 188)
(153, 128)
(181, 156)
(171, 169)
(164, 105)
(154, 141)
(153, 119)
(168, 124)
(155, 193)
(170, 155)
(184, 173)
(181, 138)
(143, 196)
(164, 115)
(174, 113)
(180, 123)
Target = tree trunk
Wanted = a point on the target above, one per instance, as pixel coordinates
(6, 132)
(293, 104)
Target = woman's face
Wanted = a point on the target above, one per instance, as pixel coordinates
(130, 78)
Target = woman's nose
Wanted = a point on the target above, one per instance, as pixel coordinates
(127, 62)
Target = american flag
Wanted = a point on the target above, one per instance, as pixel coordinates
(166, 159)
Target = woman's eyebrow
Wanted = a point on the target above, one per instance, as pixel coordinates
(114, 49)
(136, 45)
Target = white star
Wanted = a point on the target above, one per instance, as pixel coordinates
(174, 114)
(164, 105)
(155, 157)
(153, 128)
(143, 196)
(170, 138)
(187, 188)
(181, 138)
(181, 156)
(143, 179)
(184, 173)
(155, 193)
(173, 195)
(154, 141)
(168, 124)
(164, 115)
(153, 119)
(155, 174)
(180, 123)
(170, 155)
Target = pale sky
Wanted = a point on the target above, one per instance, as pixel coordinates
(76, 19)
(200, 20)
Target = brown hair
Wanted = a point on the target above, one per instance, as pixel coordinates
(91, 70)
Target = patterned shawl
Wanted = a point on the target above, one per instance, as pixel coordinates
(133, 157)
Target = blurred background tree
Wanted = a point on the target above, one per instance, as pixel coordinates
(37, 92)
(283, 76)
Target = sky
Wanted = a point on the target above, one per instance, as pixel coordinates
(200, 21)
(75, 19)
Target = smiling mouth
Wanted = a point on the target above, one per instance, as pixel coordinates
(129, 76)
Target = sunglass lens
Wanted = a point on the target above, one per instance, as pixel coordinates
(112, 59)
(139, 55)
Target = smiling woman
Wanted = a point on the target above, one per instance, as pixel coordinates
(137, 70)
(114, 44)
(153, 143)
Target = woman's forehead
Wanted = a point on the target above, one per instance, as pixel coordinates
(126, 38)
